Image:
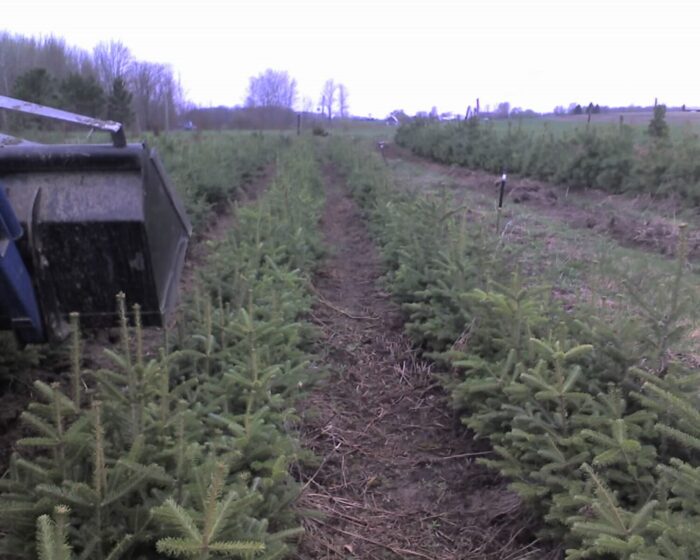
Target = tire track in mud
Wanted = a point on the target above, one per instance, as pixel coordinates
(397, 476)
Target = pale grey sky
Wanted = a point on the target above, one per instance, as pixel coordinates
(409, 54)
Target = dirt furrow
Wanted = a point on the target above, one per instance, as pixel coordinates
(397, 476)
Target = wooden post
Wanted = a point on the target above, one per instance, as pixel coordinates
(500, 203)
(381, 145)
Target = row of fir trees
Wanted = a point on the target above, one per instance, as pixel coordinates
(595, 423)
(615, 158)
(77, 93)
(184, 452)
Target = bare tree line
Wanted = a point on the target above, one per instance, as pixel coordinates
(276, 88)
(152, 93)
(110, 82)
(334, 100)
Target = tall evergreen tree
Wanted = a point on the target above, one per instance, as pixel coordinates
(119, 102)
(35, 85)
(81, 94)
(658, 127)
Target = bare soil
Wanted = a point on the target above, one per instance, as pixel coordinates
(397, 474)
(632, 221)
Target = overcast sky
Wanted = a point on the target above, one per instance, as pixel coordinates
(407, 54)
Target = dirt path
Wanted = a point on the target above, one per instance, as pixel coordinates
(397, 475)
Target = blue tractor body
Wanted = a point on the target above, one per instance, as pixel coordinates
(17, 298)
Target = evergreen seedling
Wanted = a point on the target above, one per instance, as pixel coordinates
(614, 530)
(51, 535)
(203, 541)
(668, 307)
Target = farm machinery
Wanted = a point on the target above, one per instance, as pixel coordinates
(80, 223)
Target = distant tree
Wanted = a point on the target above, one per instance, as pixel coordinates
(112, 60)
(527, 113)
(307, 105)
(578, 110)
(271, 88)
(81, 94)
(144, 80)
(36, 85)
(20, 54)
(503, 109)
(559, 110)
(119, 103)
(269, 118)
(400, 115)
(343, 107)
(58, 57)
(328, 98)
(658, 127)
(433, 112)
(155, 94)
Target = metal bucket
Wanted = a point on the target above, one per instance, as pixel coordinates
(97, 220)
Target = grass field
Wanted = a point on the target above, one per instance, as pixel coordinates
(679, 121)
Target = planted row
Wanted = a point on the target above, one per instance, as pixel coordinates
(210, 170)
(608, 158)
(184, 453)
(595, 424)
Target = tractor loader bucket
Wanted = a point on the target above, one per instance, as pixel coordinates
(96, 220)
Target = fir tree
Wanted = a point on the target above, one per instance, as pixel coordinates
(202, 542)
(81, 94)
(119, 103)
(658, 128)
(51, 535)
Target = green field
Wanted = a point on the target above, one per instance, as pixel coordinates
(679, 121)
